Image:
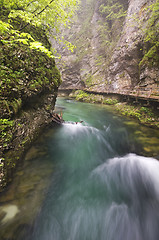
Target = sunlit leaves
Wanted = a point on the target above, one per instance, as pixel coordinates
(46, 14)
(4, 27)
(152, 29)
(26, 35)
(151, 36)
(38, 46)
(112, 10)
(25, 16)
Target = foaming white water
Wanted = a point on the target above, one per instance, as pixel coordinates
(133, 174)
(119, 201)
(87, 133)
(131, 186)
(72, 127)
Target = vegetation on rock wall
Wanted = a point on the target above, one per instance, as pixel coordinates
(95, 32)
(145, 115)
(27, 65)
(151, 36)
(80, 95)
(17, 16)
(113, 13)
(83, 36)
(25, 72)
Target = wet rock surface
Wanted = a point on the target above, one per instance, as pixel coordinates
(96, 66)
(21, 202)
(30, 121)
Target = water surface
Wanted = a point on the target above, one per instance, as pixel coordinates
(95, 180)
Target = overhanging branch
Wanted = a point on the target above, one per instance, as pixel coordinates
(37, 14)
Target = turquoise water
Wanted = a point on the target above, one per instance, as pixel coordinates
(95, 180)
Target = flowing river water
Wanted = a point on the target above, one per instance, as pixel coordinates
(95, 180)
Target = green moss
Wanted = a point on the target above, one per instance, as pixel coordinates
(110, 101)
(143, 114)
(151, 42)
(80, 95)
(89, 80)
(112, 14)
(6, 130)
(24, 73)
(16, 105)
(26, 140)
(122, 75)
(151, 56)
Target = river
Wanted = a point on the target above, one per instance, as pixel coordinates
(94, 180)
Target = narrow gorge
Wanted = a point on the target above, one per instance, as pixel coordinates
(79, 120)
(115, 57)
(116, 49)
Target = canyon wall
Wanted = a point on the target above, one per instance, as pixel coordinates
(110, 49)
(29, 84)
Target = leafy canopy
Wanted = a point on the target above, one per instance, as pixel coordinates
(46, 14)
(151, 35)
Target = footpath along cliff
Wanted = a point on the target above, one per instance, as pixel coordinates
(117, 48)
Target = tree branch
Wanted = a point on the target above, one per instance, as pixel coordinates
(37, 14)
(44, 8)
(30, 3)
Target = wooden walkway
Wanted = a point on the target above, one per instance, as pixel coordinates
(138, 93)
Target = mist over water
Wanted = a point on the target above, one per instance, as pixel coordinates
(100, 188)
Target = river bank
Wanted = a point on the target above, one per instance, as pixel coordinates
(28, 124)
(145, 113)
(75, 177)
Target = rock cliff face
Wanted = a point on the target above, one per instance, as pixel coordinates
(124, 72)
(29, 83)
(109, 39)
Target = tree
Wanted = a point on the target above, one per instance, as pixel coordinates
(46, 14)
(151, 36)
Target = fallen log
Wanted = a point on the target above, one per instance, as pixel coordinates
(57, 118)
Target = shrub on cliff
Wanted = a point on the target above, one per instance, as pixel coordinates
(151, 36)
(27, 65)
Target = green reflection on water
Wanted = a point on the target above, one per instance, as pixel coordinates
(78, 149)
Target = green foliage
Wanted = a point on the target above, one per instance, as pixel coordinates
(80, 95)
(24, 71)
(152, 28)
(27, 65)
(112, 10)
(89, 79)
(16, 105)
(48, 15)
(5, 131)
(112, 14)
(151, 36)
(110, 101)
(4, 27)
(24, 38)
(144, 114)
(38, 46)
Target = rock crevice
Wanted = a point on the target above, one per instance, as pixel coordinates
(109, 52)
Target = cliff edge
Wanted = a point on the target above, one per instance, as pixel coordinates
(117, 48)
